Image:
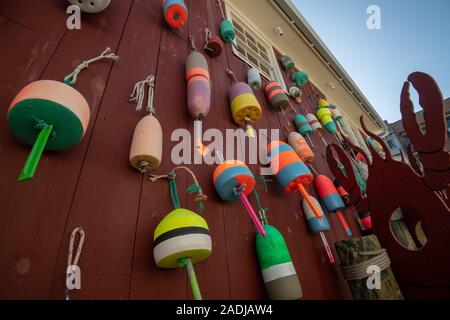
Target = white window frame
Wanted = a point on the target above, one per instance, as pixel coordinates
(258, 35)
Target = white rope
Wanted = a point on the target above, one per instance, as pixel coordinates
(192, 41)
(208, 36)
(139, 94)
(359, 271)
(73, 263)
(221, 9)
(71, 79)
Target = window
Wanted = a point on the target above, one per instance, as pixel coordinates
(391, 144)
(253, 49)
(448, 126)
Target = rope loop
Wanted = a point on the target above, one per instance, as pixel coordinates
(192, 43)
(71, 79)
(74, 263)
(138, 94)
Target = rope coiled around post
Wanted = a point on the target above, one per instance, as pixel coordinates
(359, 271)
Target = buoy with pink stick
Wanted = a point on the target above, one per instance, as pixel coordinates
(291, 173)
(234, 180)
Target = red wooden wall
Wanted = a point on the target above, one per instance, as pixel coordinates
(92, 184)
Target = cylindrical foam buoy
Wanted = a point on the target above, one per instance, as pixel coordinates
(336, 114)
(301, 147)
(287, 167)
(276, 96)
(300, 78)
(214, 47)
(313, 122)
(230, 175)
(287, 62)
(175, 13)
(91, 6)
(278, 271)
(325, 117)
(147, 145)
(295, 92)
(254, 78)
(199, 97)
(244, 104)
(315, 225)
(199, 86)
(181, 234)
(227, 31)
(302, 125)
(328, 193)
(343, 193)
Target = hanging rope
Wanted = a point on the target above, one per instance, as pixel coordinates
(221, 9)
(359, 271)
(192, 43)
(73, 263)
(208, 36)
(231, 75)
(264, 181)
(261, 211)
(71, 79)
(192, 189)
(139, 94)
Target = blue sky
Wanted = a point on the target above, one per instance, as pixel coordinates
(414, 36)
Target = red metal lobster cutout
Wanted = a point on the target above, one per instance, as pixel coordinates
(393, 184)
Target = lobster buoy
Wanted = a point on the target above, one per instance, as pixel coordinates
(233, 180)
(198, 93)
(315, 225)
(277, 97)
(214, 46)
(301, 147)
(254, 78)
(337, 116)
(300, 78)
(181, 234)
(245, 108)
(49, 115)
(318, 226)
(147, 145)
(278, 271)
(325, 116)
(295, 92)
(175, 13)
(227, 31)
(331, 199)
(313, 122)
(91, 6)
(290, 172)
(287, 62)
(302, 125)
(199, 87)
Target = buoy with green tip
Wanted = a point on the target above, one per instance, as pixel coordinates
(278, 271)
(50, 115)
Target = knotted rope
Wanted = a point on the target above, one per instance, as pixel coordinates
(221, 9)
(208, 36)
(139, 94)
(71, 79)
(194, 188)
(70, 263)
(261, 211)
(359, 271)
